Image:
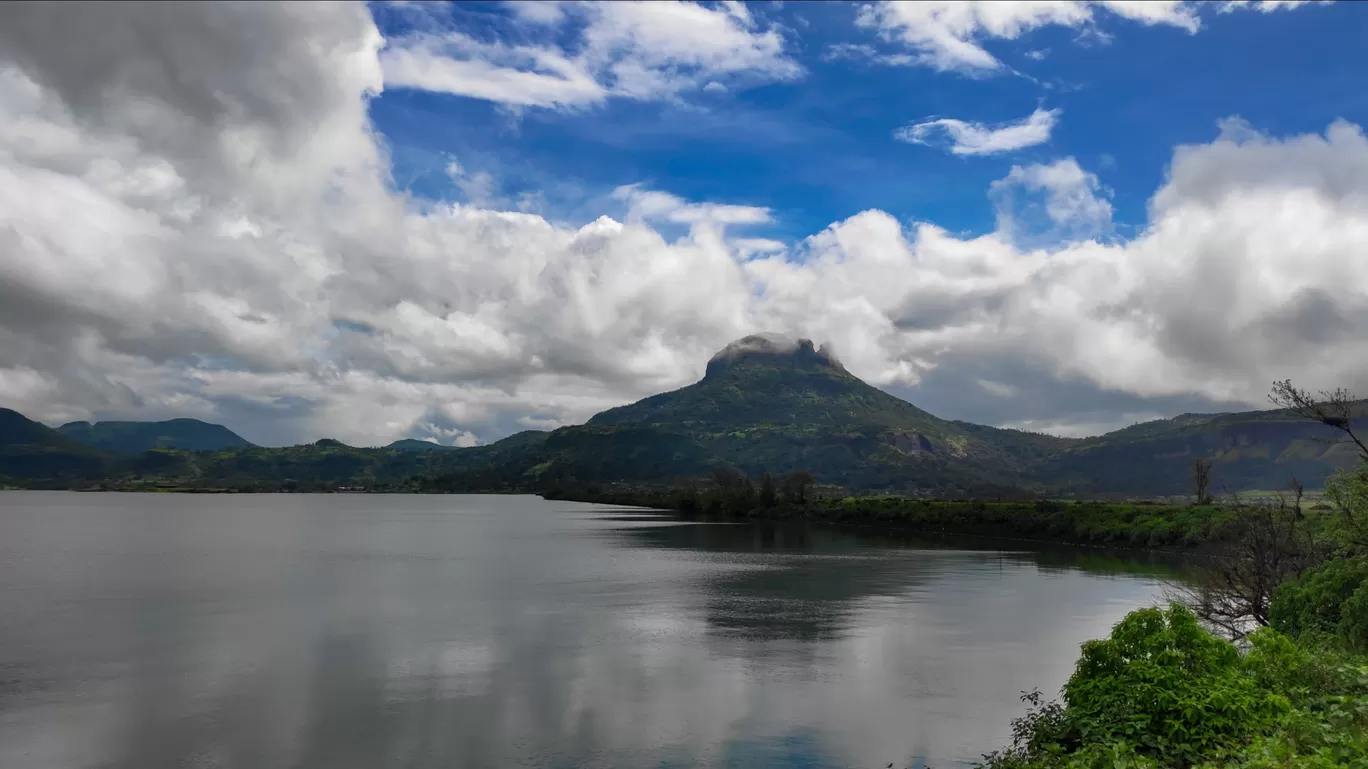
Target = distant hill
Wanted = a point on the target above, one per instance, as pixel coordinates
(30, 449)
(1249, 450)
(137, 437)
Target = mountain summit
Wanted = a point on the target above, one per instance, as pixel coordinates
(773, 349)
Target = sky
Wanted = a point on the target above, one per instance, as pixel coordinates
(456, 222)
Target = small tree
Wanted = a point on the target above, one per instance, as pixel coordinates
(768, 494)
(1347, 490)
(796, 487)
(1233, 588)
(1201, 480)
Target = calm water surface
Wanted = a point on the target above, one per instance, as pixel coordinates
(339, 631)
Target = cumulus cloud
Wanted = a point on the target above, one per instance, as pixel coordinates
(644, 204)
(643, 51)
(948, 35)
(1267, 6)
(208, 228)
(1074, 205)
(965, 138)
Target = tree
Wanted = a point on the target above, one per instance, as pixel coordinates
(1233, 588)
(1333, 408)
(796, 487)
(734, 493)
(1347, 490)
(1201, 480)
(768, 495)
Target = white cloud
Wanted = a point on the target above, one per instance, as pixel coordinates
(865, 52)
(643, 51)
(1267, 6)
(644, 204)
(981, 139)
(522, 76)
(547, 12)
(948, 35)
(1074, 202)
(227, 244)
(478, 188)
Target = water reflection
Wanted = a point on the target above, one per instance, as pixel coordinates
(335, 632)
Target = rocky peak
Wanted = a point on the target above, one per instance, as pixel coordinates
(773, 348)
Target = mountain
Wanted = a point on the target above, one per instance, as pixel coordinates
(1249, 450)
(769, 404)
(30, 449)
(137, 437)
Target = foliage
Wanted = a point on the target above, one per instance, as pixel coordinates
(1201, 480)
(1161, 692)
(1314, 602)
(1267, 544)
(1172, 527)
(1167, 686)
(1353, 624)
(1348, 494)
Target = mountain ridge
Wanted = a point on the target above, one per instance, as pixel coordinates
(134, 437)
(775, 404)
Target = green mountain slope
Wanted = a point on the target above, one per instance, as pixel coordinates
(767, 405)
(772, 405)
(137, 437)
(1249, 450)
(32, 450)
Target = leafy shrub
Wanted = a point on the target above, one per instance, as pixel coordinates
(1299, 672)
(1313, 602)
(1164, 685)
(1333, 736)
(1353, 623)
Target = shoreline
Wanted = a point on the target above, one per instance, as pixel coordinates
(1164, 529)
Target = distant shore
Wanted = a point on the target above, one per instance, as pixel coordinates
(1148, 526)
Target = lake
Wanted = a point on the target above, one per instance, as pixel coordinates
(338, 631)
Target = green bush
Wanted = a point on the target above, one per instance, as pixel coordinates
(1353, 623)
(1313, 602)
(1167, 687)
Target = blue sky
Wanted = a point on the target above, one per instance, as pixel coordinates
(819, 148)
